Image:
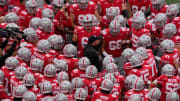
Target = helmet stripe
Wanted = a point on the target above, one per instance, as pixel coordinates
(80, 93)
(153, 93)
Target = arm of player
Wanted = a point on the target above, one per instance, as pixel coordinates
(152, 85)
(72, 18)
(103, 46)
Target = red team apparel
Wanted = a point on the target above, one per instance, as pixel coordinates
(14, 82)
(104, 4)
(83, 36)
(43, 35)
(139, 5)
(113, 44)
(154, 13)
(104, 97)
(168, 85)
(136, 34)
(176, 21)
(79, 13)
(78, 73)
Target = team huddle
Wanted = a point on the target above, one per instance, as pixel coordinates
(138, 52)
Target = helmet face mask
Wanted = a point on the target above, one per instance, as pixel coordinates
(83, 4)
(31, 6)
(157, 4)
(114, 27)
(168, 70)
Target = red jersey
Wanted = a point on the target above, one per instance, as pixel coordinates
(168, 85)
(144, 72)
(104, 4)
(151, 62)
(43, 35)
(78, 73)
(104, 22)
(104, 97)
(127, 67)
(138, 5)
(142, 93)
(14, 82)
(35, 90)
(3, 92)
(154, 13)
(170, 57)
(79, 13)
(24, 18)
(176, 39)
(83, 36)
(113, 43)
(136, 34)
(176, 21)
(16, 10)
(3, 10)
(72, 63)
(119, 81)
(26, 44)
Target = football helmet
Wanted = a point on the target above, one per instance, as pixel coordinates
(114, 27)
(19, 91)
(36, 64)
(11, 17)
(66, 87)
(112, 68)
(139, 13)
(95, 20)
(77, 83)
(83, 4)
(57, 4)
(88, 21)
(56, 41)
(112, 12)
(34, 23)
(138, 84)
(69, 50)
(172, 96)
(169, 30)
(30, 34)
(31, 6)
(107, 60)
(29, 80)
(83, 63)
(129, 81)
(167, 46)
(29, 96)
(73, 1)
(106, 85)
(62, 76)
(160, 20)
(91, 71)
(144, 41)
(1, 77)
(142, 51)
(45, 24)
(110, 76)
(157, 4)
(47, 98)
(138, 21)
(60, 97)
(127, 53)
(61, 65)
(3, 2)
(168, 70)
(43, 46)
(81, 94)
(135, 97)
(172, 11)
(120, 18)
(136, 60)
(20, 72)
(155, 94)
(48, 13)
(24, 54)
(12, 26)
(11, 63)
(46, 87)
(50, 70)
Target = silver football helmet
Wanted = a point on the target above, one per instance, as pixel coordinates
(19, 91)
(29, 96)
(69, 50)
(45, 24)
(160, 20)
(60, 97)
(47, 13)
(88, 21)
(31, 6)
(114, 27)
(121, 20)
(110, 76)
(20, 72)
(83, 63)
(11, 17)
(138, 21)
(81, 94)
(142, 52)
(66, 87)
(83, 4)
(61, 65)
(107, 85)
(167, 46)
(112, 12)
(91, 71)
(168, 70)
(155, 94)
(11, 63)
(47, 98)
(169, 30)
(57, 4)
(34, 23)
(29, 80)
(56, 41)
(172, 96)
(127, 53)
(31, 35)
(144, 41)
(73, 1)
(95, 20)
(136, 60)
(157, 4)
(107, 60)
(112, 68)
(50, 70)
(172, 11)
(62, 76)
(24, 54)
(36, 64)
(77, 83)
(43, 46)
(129, 81)
(12, 26)
(135, 97)
(46, 87)
(138, 84)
